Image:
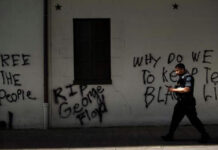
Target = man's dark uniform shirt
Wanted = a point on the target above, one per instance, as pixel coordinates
(186, 80)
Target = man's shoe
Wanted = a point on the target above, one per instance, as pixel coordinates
(167, 138)
(204, 138)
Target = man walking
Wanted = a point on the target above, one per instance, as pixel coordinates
(185, 105)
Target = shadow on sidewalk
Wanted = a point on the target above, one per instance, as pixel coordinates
(101, 137)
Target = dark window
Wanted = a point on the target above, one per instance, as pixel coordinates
(92, 60)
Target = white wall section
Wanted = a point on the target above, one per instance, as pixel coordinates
(148, 38)
(21, 63)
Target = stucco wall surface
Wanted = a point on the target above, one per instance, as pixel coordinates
(21, 64)
(148, 38)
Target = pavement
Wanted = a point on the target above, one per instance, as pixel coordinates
(113, 138)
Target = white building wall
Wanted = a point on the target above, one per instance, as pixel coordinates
(139, 28)
(21, 60)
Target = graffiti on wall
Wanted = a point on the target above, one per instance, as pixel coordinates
(89, 104)
(8, 62)
(166, 77)
(11, 90)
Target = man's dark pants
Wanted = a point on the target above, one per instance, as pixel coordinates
(180, 110)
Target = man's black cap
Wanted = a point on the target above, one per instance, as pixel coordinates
(180, 65)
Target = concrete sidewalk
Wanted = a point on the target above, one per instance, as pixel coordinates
(116, 138)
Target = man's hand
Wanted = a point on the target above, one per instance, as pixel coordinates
(170, 89)
(179, 90)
